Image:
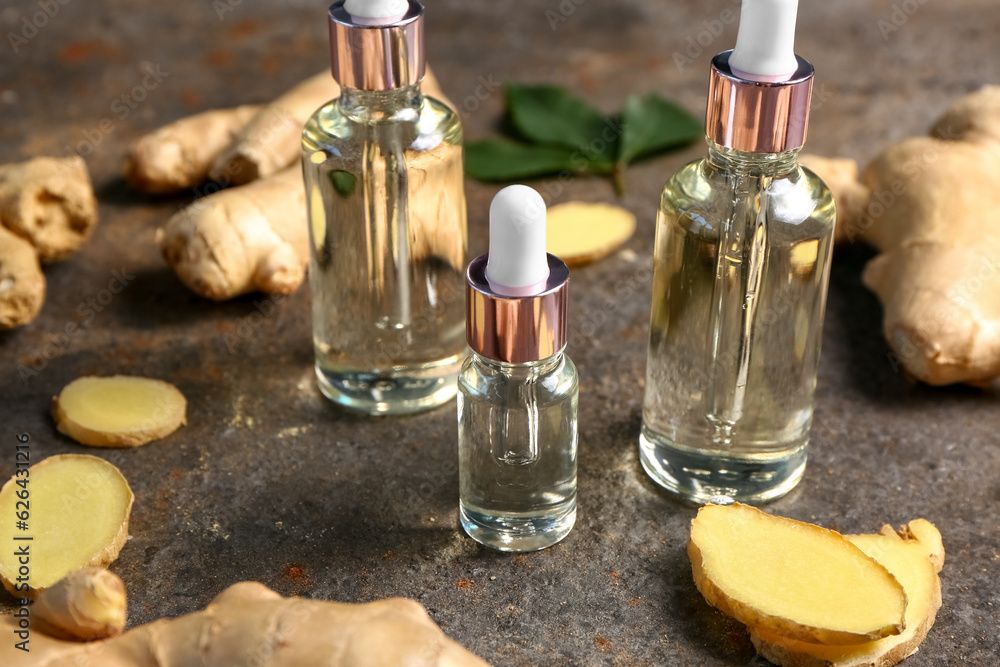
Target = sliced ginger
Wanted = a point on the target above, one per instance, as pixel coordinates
(118, 411)
(87, 604)
(79, 507)
(579, 233)
(794, 579)
(914, 556)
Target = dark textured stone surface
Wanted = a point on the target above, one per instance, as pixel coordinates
(269, 482)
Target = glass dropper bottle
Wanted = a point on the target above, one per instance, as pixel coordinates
(518, 392)
(741, 265)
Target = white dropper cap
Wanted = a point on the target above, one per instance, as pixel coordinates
(518, 264)
(765, 44)
(376, 12)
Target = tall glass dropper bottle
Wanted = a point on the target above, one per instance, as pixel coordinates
(743, 243)
(384, 183)
(517, 393)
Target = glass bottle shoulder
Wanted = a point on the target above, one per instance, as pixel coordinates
(425, 126)
(552, 380)
(701, 193)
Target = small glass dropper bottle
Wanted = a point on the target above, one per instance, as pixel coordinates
(385, 190)
(517, 393)
(742, 260)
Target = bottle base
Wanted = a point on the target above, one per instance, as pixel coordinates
(517, 531)
(392, 392)
(705, 477)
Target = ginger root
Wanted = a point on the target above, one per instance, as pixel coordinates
(928, 205)
(792, 579)
(22, 284)
(245, 239)
(255, 237)
(75, 507)
(249, 625)
(938, 274)
(851, 197)
(269, 142)
(50, 202)
(118, 411)
(178, 156)
(47, 210)
(85, 605)
(914, 555)
(580, 233)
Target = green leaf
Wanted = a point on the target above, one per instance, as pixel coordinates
(651, 124)
(551, 115)
(505, 160)
(343, 182)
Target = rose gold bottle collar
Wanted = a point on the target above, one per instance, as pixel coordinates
(758, 116)
(377, 57)
(516, 329)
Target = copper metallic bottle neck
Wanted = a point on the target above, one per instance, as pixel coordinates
(377, 57)
(758, 116)
(516, 329)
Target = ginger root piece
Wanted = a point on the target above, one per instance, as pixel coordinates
(271, 140)
(118, 411)
(851, 197)
(177, 156)
(255, 237)
(914, 555)
(47, 210)
(78, 517)
(579, 233)
(22, 285)
(249, 625)
(240, 240)
(934, 216)
(85, 605)
(794, 579)
(50, 202)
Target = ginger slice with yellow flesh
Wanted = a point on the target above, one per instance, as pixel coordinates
(79, 507)
(118, 411)
(87, 604)
(580, 233)
(794, 579)
(914, 556)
